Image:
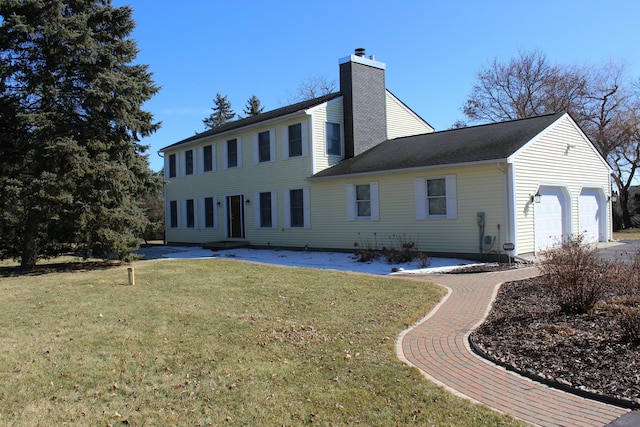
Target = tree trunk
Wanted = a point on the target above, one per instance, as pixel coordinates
(29, 244)
(624, 206)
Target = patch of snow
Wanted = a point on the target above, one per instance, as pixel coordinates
(310, 259)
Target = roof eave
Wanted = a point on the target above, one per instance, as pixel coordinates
(241, 129)
(408, 170)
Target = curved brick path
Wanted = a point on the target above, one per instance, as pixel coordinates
(438, 346)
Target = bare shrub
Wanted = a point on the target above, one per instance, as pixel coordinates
(366, 249)
(575, 275)
(630, 323)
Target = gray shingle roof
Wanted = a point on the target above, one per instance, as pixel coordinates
(280, 112)
(494, 141)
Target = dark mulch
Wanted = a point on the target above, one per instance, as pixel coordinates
(487, 268)
(526, 331)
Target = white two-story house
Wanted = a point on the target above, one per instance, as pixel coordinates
(360, 166)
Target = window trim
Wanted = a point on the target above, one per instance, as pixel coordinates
(421, 199)
(340, 139)
(304, 140)
(306, 206)
(173, 220)
(204, 158)
(352, 202)
(225, 153)
(258, 210)
(214, 201)
(172, 166)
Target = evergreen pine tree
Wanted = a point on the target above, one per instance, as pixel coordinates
(253, 107)
(72, 169)
(222, 112)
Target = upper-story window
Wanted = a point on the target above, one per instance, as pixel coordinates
(207, 158)
(334, 140)
(264, 147)
(172, 166)
(295, 140)
(232, 153)
(188, 162)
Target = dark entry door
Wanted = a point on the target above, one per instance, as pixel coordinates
(235, 216)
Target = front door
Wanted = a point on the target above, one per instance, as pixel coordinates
(235, 216)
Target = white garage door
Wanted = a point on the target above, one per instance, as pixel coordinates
(549, 218)
(590, 215)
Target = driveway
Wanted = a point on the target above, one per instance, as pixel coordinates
(622, 248)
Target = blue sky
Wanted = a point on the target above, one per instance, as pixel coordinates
(433, 49)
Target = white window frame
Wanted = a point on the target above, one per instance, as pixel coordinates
(306, 206)
(272, 146)
(175, 165)
(304, 133)
(326, 142)
(421, 200)
(203, 213)
(213, 158)
(274, 209)
(352, 202)
(225, 153)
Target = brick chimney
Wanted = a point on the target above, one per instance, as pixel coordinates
(362, 84)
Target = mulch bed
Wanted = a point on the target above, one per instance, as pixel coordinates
(526, 332)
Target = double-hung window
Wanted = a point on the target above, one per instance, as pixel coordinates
(172, 166)
(232, 153)
(296, 199)
(295, 140)
(188, 162)
(266, 219)
(207, 158)
(209, 212)
(436, 197)
(191, 213)
(362, 201)
(264, 147)
(173, 214)
(265, 212)
(334, 140)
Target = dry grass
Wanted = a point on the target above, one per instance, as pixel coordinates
(216, 342)
(627, 234)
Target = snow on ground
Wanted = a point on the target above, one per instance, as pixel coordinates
(311, 259)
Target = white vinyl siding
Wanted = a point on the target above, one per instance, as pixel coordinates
(353, 213)
(401, 121)
(422, 197)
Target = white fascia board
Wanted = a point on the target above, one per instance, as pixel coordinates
(408, 170)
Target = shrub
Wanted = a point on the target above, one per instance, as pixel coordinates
(630, 323)
(402, 250)
(366, 249)
(575, 275)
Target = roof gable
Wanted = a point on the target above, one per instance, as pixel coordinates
(262, 117)
(490, 142)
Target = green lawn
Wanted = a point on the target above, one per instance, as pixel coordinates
(216, 342)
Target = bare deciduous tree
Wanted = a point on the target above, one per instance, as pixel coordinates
(314, 86)
(598, 98)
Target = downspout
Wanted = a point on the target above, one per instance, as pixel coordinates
(506, 205)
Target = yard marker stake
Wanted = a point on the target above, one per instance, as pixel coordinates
(132, 279)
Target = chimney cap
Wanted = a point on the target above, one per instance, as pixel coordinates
(361, 52)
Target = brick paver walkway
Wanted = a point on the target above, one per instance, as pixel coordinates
(438, 346)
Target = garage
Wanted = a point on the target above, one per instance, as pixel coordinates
(590, 215)
(550, 217)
